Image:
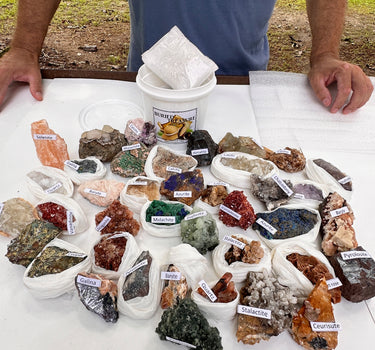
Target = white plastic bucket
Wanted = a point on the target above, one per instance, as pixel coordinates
(168, 109)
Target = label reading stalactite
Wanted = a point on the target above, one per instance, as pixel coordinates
(338, 212)
(230, 212)
(103, 223)
(69, 223)
(325, 326)
(235, 242)
(280, 182)
(43, 137)
(266, 226)
(355, 254)
(53, 188)
(93, 282)
(211, 295)
(71, 165)
(170, 276)
(254, 311)
(136, 267)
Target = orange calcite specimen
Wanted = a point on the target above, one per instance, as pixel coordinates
(51, 149)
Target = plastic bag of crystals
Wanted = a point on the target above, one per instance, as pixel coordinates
(178, 62)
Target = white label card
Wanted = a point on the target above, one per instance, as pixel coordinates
(179, 342)
(230, 212)
(139, 183)
(69, 223)
(119, 235)
(299, 196)
(229, 155)
(133, 128)
(174, 169)
(211, 295)
(333, 283)
(198, 214)
(93, 282)
(345, 180)
(71, 164)
(163, 219)
(338, 212)
(170, 276)
(253, 311)
(1, 207)
(235, 242)
(198, 152)
(95, 192)
(103, 223)
(280, 182)
(266, 226)
(325, 326)
(76, 255)
(355, 254)
(136, 267)
(182, 194)
(283, 151)
(131, 147)
(218, 183)
(53, 188)
(47, 137)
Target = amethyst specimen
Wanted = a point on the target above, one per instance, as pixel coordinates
(202, 147)
(309, 191)
(333, 171)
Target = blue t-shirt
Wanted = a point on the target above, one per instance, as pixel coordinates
(231, 32)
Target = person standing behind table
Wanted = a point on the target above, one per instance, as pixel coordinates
(232, 33)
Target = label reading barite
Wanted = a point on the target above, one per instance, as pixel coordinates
(355, 254)
(266, 226)
(338, 212)
(71, 164)
(280, 182)
(170, 276)
(211, 295)
(235, 242)
(325, 326)
(179, 342)
(163, 219)
(345, 180)
(198, 152)
(333, 283)
(174, 169)
(53, 188)
(133, 128)
(43, 137)
(230, 212)
(182, 194)
(93, 282)
(95, 192)
(103, 223)
(198, 214)
(283, 151)
(76, 255)
(69, 223)
(254, 311)
(131, 147)
(136, 267)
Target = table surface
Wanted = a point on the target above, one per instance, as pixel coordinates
(277, 109)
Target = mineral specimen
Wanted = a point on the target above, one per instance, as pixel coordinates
(201, 146)
(237, 211)
(108, 252)
(86, 166)
(53, 213)
(53, 260)
(24, 248)
(314, 271)
(144, 187)
(269, 191)
(81, 170)
(254, 166)
(336, 228)
(185, 323)
(131, 162)
(160, 208)
(317, 308)
(289, 159)
(243, 144)
(224, 289)
(121, 219)
(140, 131)
(174, 289)
(137, 282)
(214, 195)
(100, 298)
(356, 271)
(51, 149)
(252, 253)
(264, 292)
(199, 229)
(308, 191)
(15, 214)
(103, 144)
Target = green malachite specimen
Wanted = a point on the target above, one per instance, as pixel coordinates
(53, 260)
(23, 249)
(184, 322)
(160, 208)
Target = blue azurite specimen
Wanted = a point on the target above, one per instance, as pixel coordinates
(288, 222)
(160, 208)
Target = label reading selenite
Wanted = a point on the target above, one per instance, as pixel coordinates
(47, 137)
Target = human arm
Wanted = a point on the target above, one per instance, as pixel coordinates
(327, 22)
(20, 63)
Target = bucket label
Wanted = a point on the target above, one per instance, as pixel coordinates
(174, 125)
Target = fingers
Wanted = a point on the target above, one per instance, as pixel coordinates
(344, 86)
(35, 82)
(319, 86)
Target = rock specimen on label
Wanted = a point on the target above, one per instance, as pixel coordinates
(214, 195)
(23, 249)
(53, 260)
(202, 147)
(336, 228)
(15, 214)
(101, 192)
(51, 149)
(100, 300)
(309, 191)
(317, 308)
(288, 222)
(122, 219)
(53, 213)
(174, 290)
(290, 160)
(137, 283)
(264, 292)
(237, 202)
(189, 182)
(131, 163)
(185, 323)
(314, 270)
(243, 144)
(252, 253)
(357, 275)
(150, 189)
(268, 191)
(108, 252)
(139, 130)
(103, 144)
(200, 232)
(224, 289)
(160, 208)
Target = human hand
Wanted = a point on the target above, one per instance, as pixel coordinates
(20, 65)
(327, 69)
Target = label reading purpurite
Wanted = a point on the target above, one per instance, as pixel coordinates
(235, 242)
(179, 342)
(133, 128)
(266, 226)
(71, 164)
(199, 152)
(95, 192)
(136, 267)
(325, 326)
(253, 311)
(174, 169)
(131, 147)
(282, 185)
(182, 194)
(93, 282)
(69, 223)
(163, 219)
(230, 212)
(103, 223)
(345, 180)
(355, 254)
(170, 276)
(338, 212)
(333, 283)
(211, 295)
(199, 214)
(47, 137)
(53, 188)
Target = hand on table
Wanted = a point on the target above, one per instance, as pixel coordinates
(328, 69)
(20, 65)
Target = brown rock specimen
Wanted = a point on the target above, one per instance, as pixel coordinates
(51, 149)
(109, 252)
(251, 254)
(336, 228)
(317, 308)
(244, 144)
(314, 270)
(224, 289)
(214, 195)
(121, 219)
(150, 190)
(290, 160)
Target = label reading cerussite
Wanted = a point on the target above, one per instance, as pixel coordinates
(355, 254)
(333, 283)
(95, 192)
(280, 182)
(230, 212)
(266, 226)
(179, 342)
(45, 137)
(136, 267)
(119, 235)
(199, 152)
(163, 219)
(182, 194)
(69, 223)
(103, 223)
(174, 169)
(229, 155)
(345, 180)
(133, 128)
(338, 212)
(325, 326)
(71, 164)
(131, 147)
(235, 242)
(299, 196)
(211, 295)
(170, 276)
(53, 188)
(76, 255)
(283, 151)
(1, 207)
(93, 282)
(254, 311)
(199, 214)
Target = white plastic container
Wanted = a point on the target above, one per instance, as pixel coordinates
(174, 112)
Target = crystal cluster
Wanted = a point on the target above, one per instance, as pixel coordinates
(336, 173)
(53, 213)
(309, 191)
(243, 144)
(252, 253)
(214, 195)
(224, 289)
(149, 190)
(291, 160)
(109, 251)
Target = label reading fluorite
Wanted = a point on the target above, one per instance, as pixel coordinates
(230, 212)
(163, 219)
(136, 267)
(266, 226)
(53, 188)
(93, 282)
(333, 283)
(229, 155)
(76, 255)
(71, 164)
(103, 223)
(69, 223)
(282, 185)
(174, 169)
(235, 242)
(198, 152)
(254, 311)
(170, 276)
(119, 235)
(338, 212)
(283, 151)
(45, 137)
(211, 295)
(355, 254)
(199, 214)
(95, 192)
(133, 128)
(325, 326)
(179, 342)
(182, 194)
(131, 147)
(345, 180)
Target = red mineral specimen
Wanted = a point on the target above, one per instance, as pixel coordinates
(53, 213)
(224, 289)
(109, 252)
